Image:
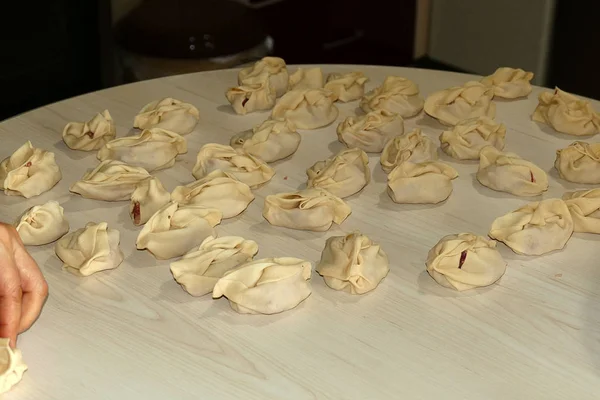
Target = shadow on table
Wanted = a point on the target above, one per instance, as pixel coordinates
(547, 129)
(425, 121)
(386, 203)
(62, 148)
(265, 228)
(552, 172)
(78, 203)
(335, 147)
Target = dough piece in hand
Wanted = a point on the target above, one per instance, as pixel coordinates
(42, 224)
(12, 366)
(248, 98)
(169, 114)
(273, 67)
(397, 95)
(584, 206)
(216, 190)
(267, 286)
(465, 140)
(147, 198)
(412, 146)
(509, 83)
(29, 172)
(174, 230)
(306, 78)
(465, 261)
(236, 163)
(153, 149)
(270, 141)
(455, 104)
(347, 87)
(110, 181)
(579, 163)
(91, 249)
(353, 263)
(309, 209)
(343, 175)
(507, 172)
(370, 132)
(91, 135)
(306, 109)
(199, 270)
(428, 182)
(536, 228)
(566, 113)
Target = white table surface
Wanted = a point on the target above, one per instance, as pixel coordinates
(133, 333)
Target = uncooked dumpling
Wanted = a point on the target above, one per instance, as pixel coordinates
(465, 140)
(42, 224)
(453, 105)
(12, 366)
(169, 114)
(110, 181)
(353, 263)
(216, 190)
(236, 163)
(342, 175)
(579, 163)
(91, 135)
(309, 209)
(370, 132)
(536, 228)
(465, 261)
(29, 172)
(509, 83)
(273, 67)
(148, 197)
(306, 78)
(507, 172)
(584, 206)
(347, 87)
(412, 146)
(153, 149)
(248, 98)
(267, 286)
(91, 249)
(427, 182)
(306, 109)
(397, 95)
(270, 141)
(174, 230)
(566, 113)
(199, 270)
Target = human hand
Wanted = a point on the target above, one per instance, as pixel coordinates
(23, 289)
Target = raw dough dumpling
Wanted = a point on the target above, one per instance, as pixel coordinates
(12, 366)
(267, 286)
(174, 230)
(353, 263)
(153, 149)
(216, 190)
(147, 198)
(507, 172)
(169, 114)
(91, 249)
(306, 109)
(509, 83)
(579, 163)
(91, 135)
(42, 224)
(453, 105)
(370, 132)
(465, 261)
(584, 206)
(566, 113)
(309, 209)
(428, 182)
(342, 175)
(273, 67)
(306, 78)
(199, 270)
(347, 87)
(248, 98)
(397, 95)
(29, 172)
(465, 140)
(236, 163)
(412, 146)
(270, 141)
(110, 181)
(536, 228)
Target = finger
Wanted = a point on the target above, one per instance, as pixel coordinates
(33, 286)
(32, 304)
(10, 304)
